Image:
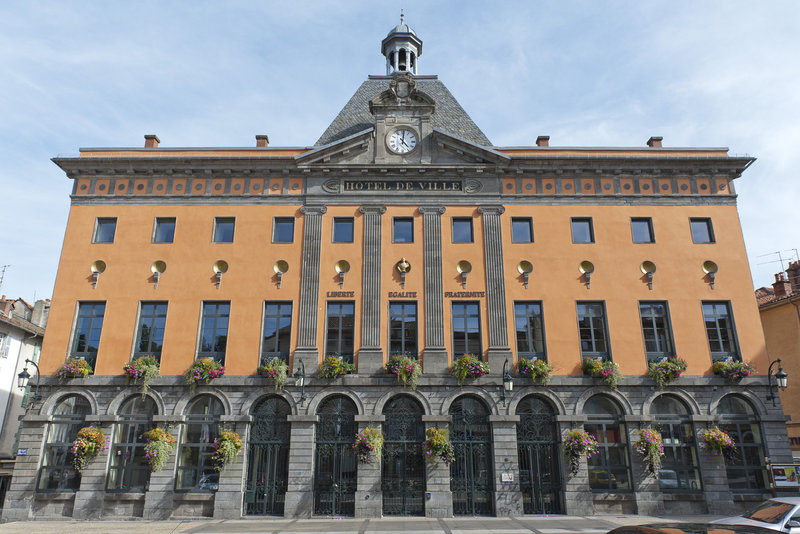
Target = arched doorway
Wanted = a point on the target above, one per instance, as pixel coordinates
(403, 477)
(746, 469)
(537, 445)
(268, 458)
(471, 474)
(336, 466)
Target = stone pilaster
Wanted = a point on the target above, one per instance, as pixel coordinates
(229, 498)
(370, 356)
(508, 497)
(300, 489)
(19, 498)
(578, 498)
(158, 501)
(648, 495)
(369, 498)
(309, 286)
(90, 496)
(499, 350)
(435, 358)
(438, 497)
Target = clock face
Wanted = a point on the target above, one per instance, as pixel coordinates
(402, 141)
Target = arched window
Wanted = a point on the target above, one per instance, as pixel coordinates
(471, 474)
(336, 476)
(129, 470)
(403, 478)
(746, 470)
(195, 471)
(609, 470)
(679, 467)
(538, 452)
(268, 457)
(58, 472)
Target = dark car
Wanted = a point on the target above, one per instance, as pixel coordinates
(689, 528)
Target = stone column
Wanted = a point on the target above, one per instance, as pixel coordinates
(648, 496)
(507, 496)
(370, 356)
(90, 496)
(714, 475)
(499, 350)
(435, 358)
(158, 501)
(438, 497)
(19, 498)
(309, 287)
(300, 489)
(229, 499)
(577, 495)
(369, 497)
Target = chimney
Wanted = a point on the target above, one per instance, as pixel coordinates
(41, 310)
(793, 274)
(262, 141)
(543, 140)
(655, 142)
(151, 141)
(782, 286)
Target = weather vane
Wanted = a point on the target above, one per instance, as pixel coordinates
(401, 15)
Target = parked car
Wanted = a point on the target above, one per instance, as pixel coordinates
(779, 513)
(689, 528)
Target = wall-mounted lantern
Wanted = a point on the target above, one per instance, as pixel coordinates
(710, 268)
(525, 268)
(97, 267)
(586, 268)
(157, 268)
(781, 380)
(280, 267)
(648, 268)
(24, 377)
(403, 267)
(464, 268)
(508, 382)
(300, 376)
(220, 267)
(342, 267)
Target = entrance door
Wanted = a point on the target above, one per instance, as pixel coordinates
(537, 443)
(403, 478)
(471, 474)
(336, 467)
(268, 458)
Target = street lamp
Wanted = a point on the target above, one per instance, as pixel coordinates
(24, 377)
(300, 375)
(508, 382)
(781, 379)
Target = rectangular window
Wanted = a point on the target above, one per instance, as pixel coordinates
(104, 230)
(521, 230)
(642, 230)
(277, 331)
(720, 331)
(702, 231)
(462, 230)
(214, 331)
(342, 229)
(466, 329)
(223, 229)
(592, 330)
(656, 330)
(164, 231)
(529, 324)
(403, 230)
(403, 329)
(283, 230)
(87, 331)
(150, 334)
(582, 230)
(339, 340)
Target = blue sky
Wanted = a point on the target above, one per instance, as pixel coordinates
(588, 73)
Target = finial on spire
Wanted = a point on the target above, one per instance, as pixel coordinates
(401, 15)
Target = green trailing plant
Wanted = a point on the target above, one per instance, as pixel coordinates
(716, 441)
(651, 447)
(203, 371)
(407, 369)
(537, 370)
(159, 444)
(437, 446)
(468, 366)
(226, 449)
(733, 370)
(368, 445)
(144, 368)
(74, 368)
(275, 370)
(606, 371)
(576, 443)
(666, 371)
(89, 442)
(333, 367)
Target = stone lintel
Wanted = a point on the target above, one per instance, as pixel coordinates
(302, 418)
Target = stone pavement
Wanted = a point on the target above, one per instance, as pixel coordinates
(462, 525)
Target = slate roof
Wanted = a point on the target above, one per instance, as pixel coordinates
(449, 115)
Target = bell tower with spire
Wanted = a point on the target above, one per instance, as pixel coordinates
(402, 49)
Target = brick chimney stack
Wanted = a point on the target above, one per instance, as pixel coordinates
(782, 286)
(543, 140)
(655, 142)
(151, 141)
(262, 141)
(793, 274)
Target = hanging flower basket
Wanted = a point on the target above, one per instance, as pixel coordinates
(606, 371)
(651, 447)
(74, 368)
(159, 444)
(666, 371)
(407, 370)
(332, 367)
(576, 443)
(468, 366)
(716, 441)
(732, 370)
(437, 446)
(368, 445)
(275, 370)
(89, 442)
(203, 371)
(226, 449)
(537, 370)
(145, 368)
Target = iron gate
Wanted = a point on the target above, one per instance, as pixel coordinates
(336, 468)
(268, 458)
(537, 443)
(403, 478)
(471, 474)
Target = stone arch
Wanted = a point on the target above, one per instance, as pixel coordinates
(555, 400)
(115, 404)
(758, 406)
(491, 405)
(623, 403)
(255, 397)
(53, 401)
(685, 398)
(389, 395)
(183, 402)
(319, 398)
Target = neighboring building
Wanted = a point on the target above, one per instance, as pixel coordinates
(402, 230)
(780, 317)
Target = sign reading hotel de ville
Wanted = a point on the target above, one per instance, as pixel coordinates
(402, 186)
